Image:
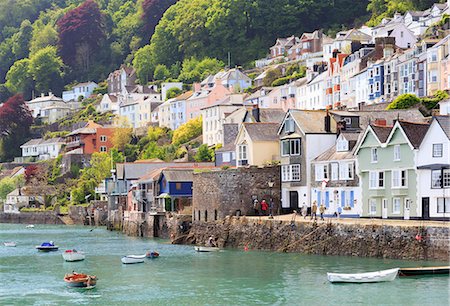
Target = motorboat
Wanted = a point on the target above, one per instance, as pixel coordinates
(29, 226)
(132, 259)
(419, 271)
(47, 247)
(206, 249)
(73, 255)
(368, 277)
(9, 244)
(152, 254)
(80, 280)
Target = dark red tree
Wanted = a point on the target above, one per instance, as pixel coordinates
(80, 33)
(15, 122)
(152, 13)
(30, 172)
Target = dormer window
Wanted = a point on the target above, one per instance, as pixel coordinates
(289, 126)
(342, 145)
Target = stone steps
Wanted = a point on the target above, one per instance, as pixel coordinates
(67, 220)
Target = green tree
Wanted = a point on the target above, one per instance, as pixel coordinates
(271, 76)
(143, 64)
(161, 73)
(21, 40)
(404, 101)
(8, 184)
(173, 92)
(43, 36)
(204, 154)
(19, 78)
(187, 131)
(194, 70)
(47, 70)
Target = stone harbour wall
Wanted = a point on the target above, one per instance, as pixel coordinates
(383, 241)
(31, 218)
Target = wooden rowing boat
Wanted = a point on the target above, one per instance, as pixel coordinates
(80, 280)
(444, 270)
(368, 277)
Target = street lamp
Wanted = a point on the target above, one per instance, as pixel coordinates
(271, 183)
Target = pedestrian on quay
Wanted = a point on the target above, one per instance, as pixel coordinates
(271, 208)
(256, 207)
(314, 211)
(322, 210)
(264, 207)
(304, 210)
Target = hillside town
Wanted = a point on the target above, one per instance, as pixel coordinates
(322, 124)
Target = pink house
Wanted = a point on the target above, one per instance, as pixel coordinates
(445, 74)
(204, 96)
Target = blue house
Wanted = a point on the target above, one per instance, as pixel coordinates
(375, 81)
(175, 186)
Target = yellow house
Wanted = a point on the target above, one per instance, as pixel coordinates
(257, 144)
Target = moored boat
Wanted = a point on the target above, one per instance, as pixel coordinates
(80, 280)
(9, 244)
(368, 277)
(418, 271)
(73, 255)
(152, 254)
(132, 259)
(30, 226)
(47, 247)
(206, 249)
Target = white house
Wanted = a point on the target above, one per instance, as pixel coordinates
(433, 167)
(83, 90)
(164, 118)
(54, 112)
(109, 103)
(444, 107)
(129, 109)
(37, 104)
(404, 37)
(42, 149)
(312, 95)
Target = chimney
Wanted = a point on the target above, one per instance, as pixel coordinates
(380, 122)
(197, 87)
(327, 123)
(255, 113)
(50, 93)
(341, 126)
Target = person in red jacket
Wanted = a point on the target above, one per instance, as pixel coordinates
(264, 207)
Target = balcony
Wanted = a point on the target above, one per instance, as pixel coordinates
(74, 144)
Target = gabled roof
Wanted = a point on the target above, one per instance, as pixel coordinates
(50, 97)
(90, 128)
(444, 122)
(381, 132)
(184, 96)
(272, 115)
(41, 141)
(415, 132)
(332, 154)
(178, 175)
(309, 121)
(150, 176)
(261, 131)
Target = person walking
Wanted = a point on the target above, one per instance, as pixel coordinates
(256, 207)
(264, 207)
(304, 210)
(322, 210)
(314, 211)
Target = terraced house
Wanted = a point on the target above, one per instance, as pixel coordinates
(387, 168)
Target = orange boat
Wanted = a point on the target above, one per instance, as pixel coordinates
(80, 280)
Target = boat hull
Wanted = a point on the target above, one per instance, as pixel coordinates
(206, 249)
(80, 280)
(423, 271)
(152, 255)
(47, 248)
(10, 244)
(133, 259)
(369, 277)
(73, 256)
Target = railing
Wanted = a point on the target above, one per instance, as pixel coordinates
(73, 144)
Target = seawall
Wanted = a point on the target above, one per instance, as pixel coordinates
(31, 218)
(324, 238)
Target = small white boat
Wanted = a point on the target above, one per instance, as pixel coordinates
(10, 244)
(132, 259)
(30, 226)
(368, 277)
(206, 249)
(73, 255)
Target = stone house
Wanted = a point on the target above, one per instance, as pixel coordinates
(387, 168)
(83, 90)
(117, 80)
(335, 183)
(303, 136)
(257, 144)
(433, 169)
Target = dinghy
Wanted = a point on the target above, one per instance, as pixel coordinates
(445, 270)
(132, 259)
(368, 277)
(206, 249)
(80, 280)
(47, 247)
(30, 226)
(73, 255)
(152, 254)
(9, 244)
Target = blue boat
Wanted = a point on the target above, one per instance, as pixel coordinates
(47, 247)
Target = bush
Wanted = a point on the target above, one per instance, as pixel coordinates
(404, 101)
(430, 103)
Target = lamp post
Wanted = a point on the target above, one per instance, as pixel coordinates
(271, 183)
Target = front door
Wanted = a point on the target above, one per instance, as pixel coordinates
(407, 209)
(293, 200)
(426, 208)
(385, 208)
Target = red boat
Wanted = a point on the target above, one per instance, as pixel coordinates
(80, 280)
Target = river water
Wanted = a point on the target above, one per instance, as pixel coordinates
(181, 276)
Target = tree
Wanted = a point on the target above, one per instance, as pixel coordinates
(21, 40)
(173, 92)
(43, 36)
(121, 137)
(194, 70)
(8, 184)
(15, 122)
(187, 131)
(80, 34)
(46, 68)
(19, 78)
(203, 154)
(143, 64)
(404, 101)
(161, 73)
(271, 76)
(152, 13)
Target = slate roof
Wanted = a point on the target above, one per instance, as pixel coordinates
(134, 171)
(332, 154)
(262, 131)
(311, 121)
(444, 122)
(151, 176)
(414, 131)
(178, 175)
(382, 132)
(227, 148)
(41, 141)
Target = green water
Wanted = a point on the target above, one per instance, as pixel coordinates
(183, 277)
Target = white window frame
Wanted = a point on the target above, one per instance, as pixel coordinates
(446, 178)
(372, 206)
(103, 138)
(374, 180)
(396, 205)
(436, 177)
(103, 149)
(321, 172)
(443, 205)
(397, 156)
(399, 179)
(243, 151)
(290, 173)
(374, 155)
(438, 149)
(226, 157)
(334, 171)
(293, 147)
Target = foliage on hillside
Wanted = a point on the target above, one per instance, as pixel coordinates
(409, 100)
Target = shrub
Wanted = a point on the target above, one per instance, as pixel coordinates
(404, 101)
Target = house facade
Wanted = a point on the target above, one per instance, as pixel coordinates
(205, 96)
(42, 149)
(36, 105)
(117, 80)
(89, 139)
(109, 103)
(83, 90)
